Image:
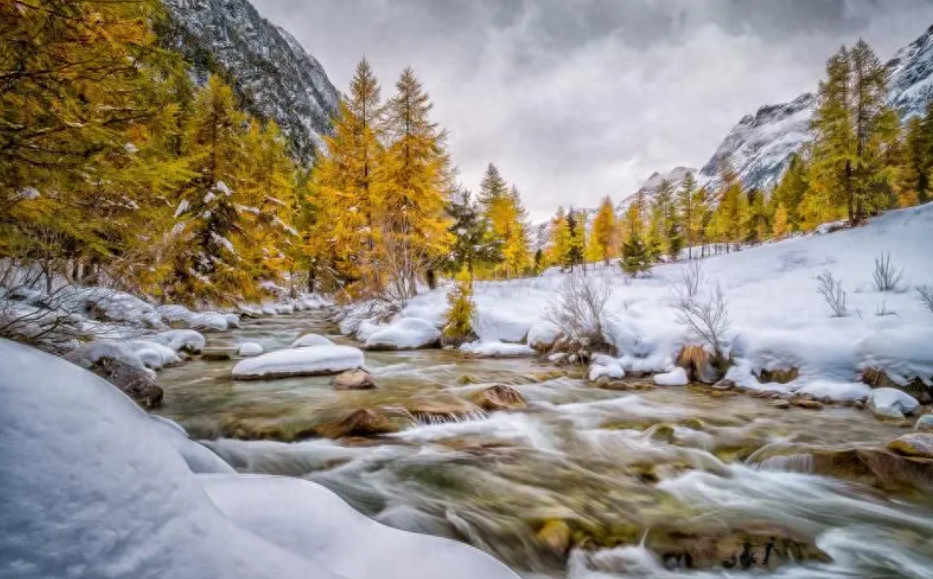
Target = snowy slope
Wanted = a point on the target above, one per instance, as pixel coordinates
(92, 487)
(272, 74)
(759, 147)
(778, 319)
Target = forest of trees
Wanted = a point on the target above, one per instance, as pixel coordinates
(116, 169)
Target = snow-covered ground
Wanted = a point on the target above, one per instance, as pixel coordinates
(94, 487)
(777, 319)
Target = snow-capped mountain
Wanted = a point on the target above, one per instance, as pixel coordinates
(759, 147)
(271, 73)
(675, 177)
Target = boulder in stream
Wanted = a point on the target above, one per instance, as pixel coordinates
(313, 361)
(917, 444)
(115, 363)
(446, 409)
(354, 380)
(363, 422)
(498, 397)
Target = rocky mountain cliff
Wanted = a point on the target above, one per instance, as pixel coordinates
(273, 76)
(760, 146)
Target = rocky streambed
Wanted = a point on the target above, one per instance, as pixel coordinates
(558, 477)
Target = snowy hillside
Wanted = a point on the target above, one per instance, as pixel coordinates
(778, 320)
(759, 147)
(272, 74)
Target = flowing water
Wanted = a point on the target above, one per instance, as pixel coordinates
(669, 482)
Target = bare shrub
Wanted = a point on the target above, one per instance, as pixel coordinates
(581, 309)
(831, 290)
(925, 293)
(886, 276)
(707, 319)
(882, 310)
(691, 279)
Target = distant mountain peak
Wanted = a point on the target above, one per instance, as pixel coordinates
(272, 75)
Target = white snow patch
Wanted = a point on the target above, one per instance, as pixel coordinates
(310, 361)
(676, 377)
(404, 334)
(309, 340)
(496, 350)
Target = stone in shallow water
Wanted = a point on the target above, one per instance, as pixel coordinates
(216, 354)
(808, 404)
(362, 422)
(917, 444)
(556, 534)
(498, 397)
(875, 467)
(925, 424)
(354, 380)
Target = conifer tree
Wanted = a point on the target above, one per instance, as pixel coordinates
(458, 327)
(781, 226)
(576, 223)
(418, 184)
(473, 243)
(349, 183)
(686, 199)
(852, 126)
(560, 239)
(636, 258)
(603, 243)
(791, 190)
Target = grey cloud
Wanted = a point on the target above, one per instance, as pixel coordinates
(576, 99)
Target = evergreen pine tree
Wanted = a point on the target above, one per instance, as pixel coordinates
(688, 216)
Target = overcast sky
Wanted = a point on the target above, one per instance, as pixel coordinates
(577, 99)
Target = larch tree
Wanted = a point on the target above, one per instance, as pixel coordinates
(603, 243)
(349, 182)
(559, 248)
(418, 187)
(852, 125)
(791, 190)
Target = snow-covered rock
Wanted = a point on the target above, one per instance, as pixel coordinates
(891, 398)
(178, 340)
(176, 315)
(93, 487)
(309, 340)
(312, 361)
(676, 377)
(273, 73)
(153, 354)
(233, 320)
(606, 368)
(542, 335)
(836, 390)
(496, 349)
(250, 349)
(404, 334)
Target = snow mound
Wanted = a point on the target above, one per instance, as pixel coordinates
(181, 340)
(676, 377)
(91, 353)
(904, 353)
(181, 316)
(496, 350)
(844, 391)
(604, 366)
(250, 349)
(312, 361)
(96, 487)
(309, 340)
(891, 398)
(543, 335)
(153, 354)
(404, 334)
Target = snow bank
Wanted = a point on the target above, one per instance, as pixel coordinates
(605, 366)
(845, 391)
(312, 361)
(496, 350)
(404, 334)
(309, 340)
(93, 487)
(543, 334)
(778, 321)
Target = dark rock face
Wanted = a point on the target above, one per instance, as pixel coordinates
(274, 78)
(135, 382)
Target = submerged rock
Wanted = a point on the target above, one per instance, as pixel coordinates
(354, 380)
(556, 534)
(875, 467)
(498, 397)
(745, 549)
(216, 354)
(446, 410)
(364, 422)
(925, 424)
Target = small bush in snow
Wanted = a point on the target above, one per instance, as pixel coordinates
(707, 319)
(886, 276)
(925, 293)
(459, 324)
(882, 310)
(831, 290)
(581, 308)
